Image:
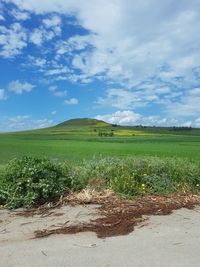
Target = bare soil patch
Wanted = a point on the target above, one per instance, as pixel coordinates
(117, 216)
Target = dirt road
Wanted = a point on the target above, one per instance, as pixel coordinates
(171, 240)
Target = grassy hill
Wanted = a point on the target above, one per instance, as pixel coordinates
(90, 128)
(82, 122)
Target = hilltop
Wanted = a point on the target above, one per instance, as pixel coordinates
(83, 122)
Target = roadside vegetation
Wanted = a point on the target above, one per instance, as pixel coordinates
(29, 181)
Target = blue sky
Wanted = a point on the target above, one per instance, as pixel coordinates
(121, 61)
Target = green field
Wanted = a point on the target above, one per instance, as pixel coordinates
(79, 139)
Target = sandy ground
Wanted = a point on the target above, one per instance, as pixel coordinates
(171, 240)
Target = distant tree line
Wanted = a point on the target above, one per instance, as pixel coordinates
(182, 128)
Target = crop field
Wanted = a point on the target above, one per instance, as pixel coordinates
(79, 139)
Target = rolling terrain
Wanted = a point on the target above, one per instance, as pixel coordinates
(79, 139)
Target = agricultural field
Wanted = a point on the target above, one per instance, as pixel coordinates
(80, 139)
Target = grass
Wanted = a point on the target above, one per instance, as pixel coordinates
(75, 150)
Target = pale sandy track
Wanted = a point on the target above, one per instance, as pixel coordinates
(172, 240)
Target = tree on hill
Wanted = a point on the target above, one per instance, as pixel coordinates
(106, 134)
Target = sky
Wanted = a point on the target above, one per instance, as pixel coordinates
(122, 61)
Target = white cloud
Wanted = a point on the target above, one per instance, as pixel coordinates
(60, 70)
(1, 17)
(125, 117)
(142, 51)
(56, 92)
(3, 94)
(126, 45)
(197, 122)
(23, 122)
(18, 15)
(147, 44)
(38, 62)
(74, 44)
(53, 23)
(19, 87)
(185, 106)
(40, 35)
(120, 98)
(132, 99)
(128, 117)
(12, 40)
(37, 37)
(71, 101)
(52, 88)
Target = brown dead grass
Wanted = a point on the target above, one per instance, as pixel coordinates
(117, 216)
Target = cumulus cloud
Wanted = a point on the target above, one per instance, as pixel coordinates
(12, 40)
(53, 23)
(37, 37)
(71, 101)
(125, 117)
(40, 35)
(128, 117)
(19, 87)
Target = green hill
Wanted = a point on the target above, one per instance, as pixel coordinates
(83, 122)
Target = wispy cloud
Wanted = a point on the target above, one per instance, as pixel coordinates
(71, 101)
(1, 17)
(18, 15)
(23, 122)
(56, 92)
(19, 87)
(54, 112)
(3, 94)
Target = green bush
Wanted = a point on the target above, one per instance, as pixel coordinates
(31, 181)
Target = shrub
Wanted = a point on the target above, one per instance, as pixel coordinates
(132, 176)
(29, 181)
